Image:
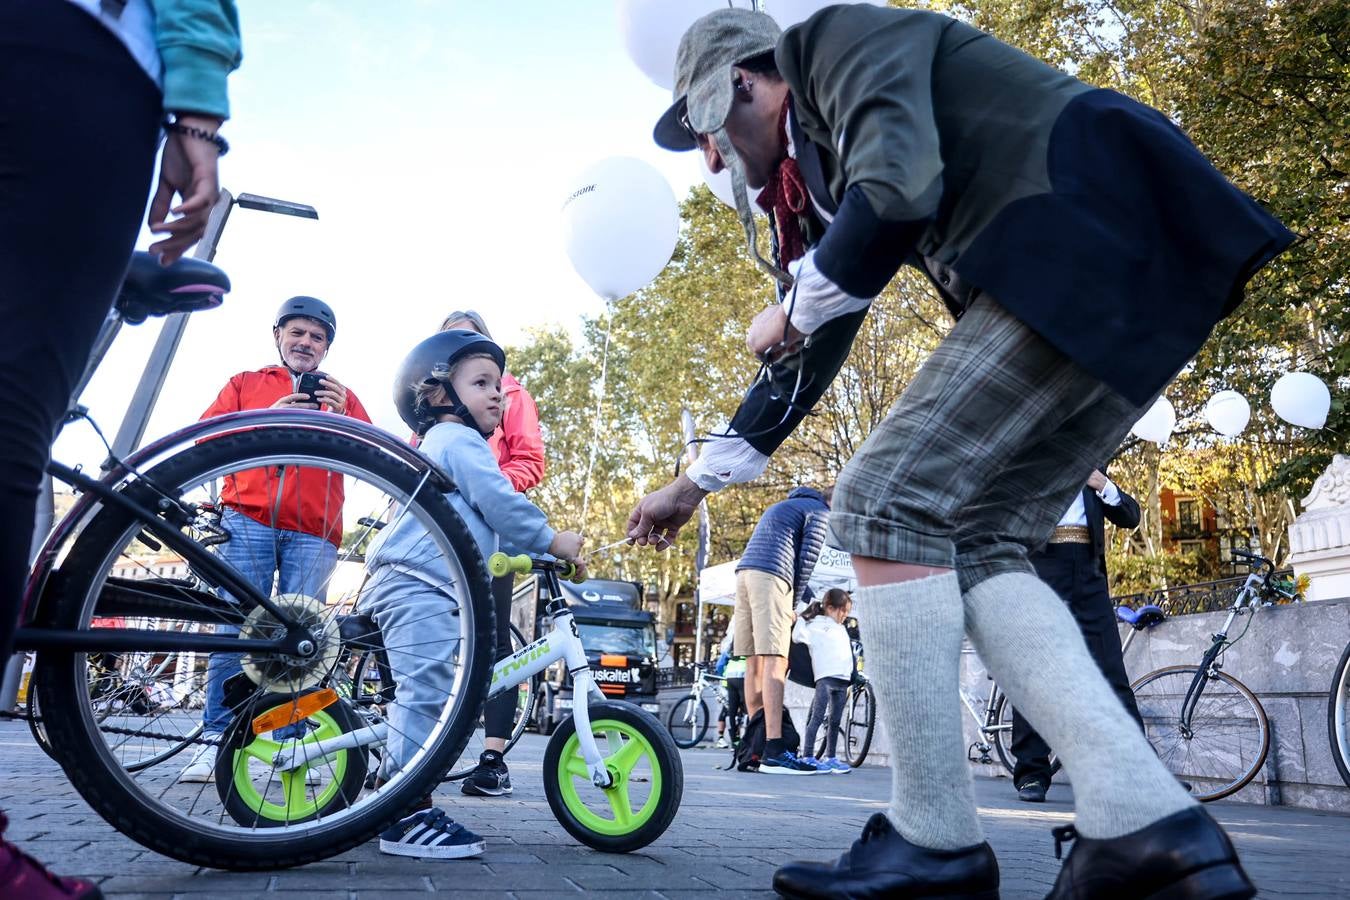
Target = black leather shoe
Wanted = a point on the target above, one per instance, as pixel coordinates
(1032, 791)
(883, 864)
(1185, 856)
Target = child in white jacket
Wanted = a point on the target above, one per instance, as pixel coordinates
(821, 628)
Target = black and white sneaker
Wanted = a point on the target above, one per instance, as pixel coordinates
(490, 778)
(431, 834)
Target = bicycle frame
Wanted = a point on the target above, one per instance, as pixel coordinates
(97, 493)
(1247, 601)
(562, 643)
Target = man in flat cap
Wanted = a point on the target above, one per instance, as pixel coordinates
(1087, 250)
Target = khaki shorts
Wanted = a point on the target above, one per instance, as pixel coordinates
(763, 614)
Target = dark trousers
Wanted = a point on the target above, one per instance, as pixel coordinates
(499, 713)
(735, 705)
(830, 694)
(78, 130)
(1077, 576)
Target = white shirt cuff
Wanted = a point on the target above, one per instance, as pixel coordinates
(724, 461)
(814, 299)
(1109, 494)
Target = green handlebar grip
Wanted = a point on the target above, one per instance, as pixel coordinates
(500, 564)
(569, 573)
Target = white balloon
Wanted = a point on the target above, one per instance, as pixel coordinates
(720, 185)
(789, 12)
(1300, 398)
(1156, 425)
(651, 31)
(620, 224)
(1228, 412)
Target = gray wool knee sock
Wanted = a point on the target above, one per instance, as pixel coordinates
(912, 631)
(1034, 649)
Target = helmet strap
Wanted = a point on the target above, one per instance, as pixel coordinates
(456, 409)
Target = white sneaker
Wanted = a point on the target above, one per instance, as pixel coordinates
(259, 770)
(202, 767)
(722, 742)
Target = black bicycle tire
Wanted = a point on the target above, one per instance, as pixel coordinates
(672, 777)
(1003, 740)
(1234, 786)
(108, 794)
(516, 731)
(863, 691)
(700, 716)
(1340, 755)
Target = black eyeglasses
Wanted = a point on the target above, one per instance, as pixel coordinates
(685, 124)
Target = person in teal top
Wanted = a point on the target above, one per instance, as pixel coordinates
(732, 668)
(87, 90)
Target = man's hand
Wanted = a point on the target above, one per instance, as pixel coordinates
(295, 401)
(188, 167)
(566, 545)
(333, 395)
(767, 334)
(659, 516)
(1097, 481)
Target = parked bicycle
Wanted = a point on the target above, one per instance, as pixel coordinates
(688, 719)
(1207, 727)
(288, 785)
(1338, 716)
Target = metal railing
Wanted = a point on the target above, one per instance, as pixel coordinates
(1188, 599)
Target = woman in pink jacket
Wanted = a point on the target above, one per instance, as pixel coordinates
(520, 453)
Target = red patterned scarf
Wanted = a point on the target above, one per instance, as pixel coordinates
(785, 197)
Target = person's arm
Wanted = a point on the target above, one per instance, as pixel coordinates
(1119, 508)
(198, 41)
(524, 442)
(356, 410)
(227, 401)
(519, 524)
(864, 75)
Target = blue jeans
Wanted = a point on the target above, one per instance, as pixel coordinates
(298, 563)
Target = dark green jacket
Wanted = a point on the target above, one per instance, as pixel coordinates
(1084, 213)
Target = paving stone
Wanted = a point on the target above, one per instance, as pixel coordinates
(733, 830)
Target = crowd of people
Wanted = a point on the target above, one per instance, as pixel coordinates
(1084, 246)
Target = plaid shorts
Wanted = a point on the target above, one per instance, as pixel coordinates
(981, 455)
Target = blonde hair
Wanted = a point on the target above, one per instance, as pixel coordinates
(470, 316)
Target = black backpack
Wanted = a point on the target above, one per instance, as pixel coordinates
(751, 748)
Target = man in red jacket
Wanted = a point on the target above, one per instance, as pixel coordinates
(284, 523)
(519, 447)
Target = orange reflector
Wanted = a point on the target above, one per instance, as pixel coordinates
(613, 689)
(290, 713)
(610, 659)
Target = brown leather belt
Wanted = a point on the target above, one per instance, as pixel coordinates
(1071, 534)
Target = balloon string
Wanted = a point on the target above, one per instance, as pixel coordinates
(595, 431)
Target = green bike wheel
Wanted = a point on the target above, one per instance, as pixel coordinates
(258, 795)
(648, 779)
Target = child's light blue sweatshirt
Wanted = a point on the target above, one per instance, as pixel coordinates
(498, 517)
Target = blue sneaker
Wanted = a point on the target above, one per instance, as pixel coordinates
(810, 760)
(836, 766)
(431, 834)
(786, 763)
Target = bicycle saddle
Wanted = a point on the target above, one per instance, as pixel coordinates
(1141, 618)
(149, 289)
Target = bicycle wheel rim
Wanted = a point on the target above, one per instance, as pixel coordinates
(1338, 717)
(1225, 743)
(687, 721)
(626, 751)
(205, 831)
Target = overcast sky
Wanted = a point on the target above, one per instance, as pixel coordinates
(437, 140)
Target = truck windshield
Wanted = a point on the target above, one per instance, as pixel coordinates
(629, 641)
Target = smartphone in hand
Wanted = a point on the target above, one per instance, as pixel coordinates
(309, 384)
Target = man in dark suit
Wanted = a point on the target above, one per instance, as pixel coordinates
(1074, 564)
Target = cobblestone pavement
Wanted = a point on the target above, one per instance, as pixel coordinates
(731, 832)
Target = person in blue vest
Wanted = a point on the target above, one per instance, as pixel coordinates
(770, 580)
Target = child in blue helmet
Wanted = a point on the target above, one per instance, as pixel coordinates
(449, 391)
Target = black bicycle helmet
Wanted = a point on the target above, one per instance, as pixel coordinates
(430, 362)
(310, 308)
